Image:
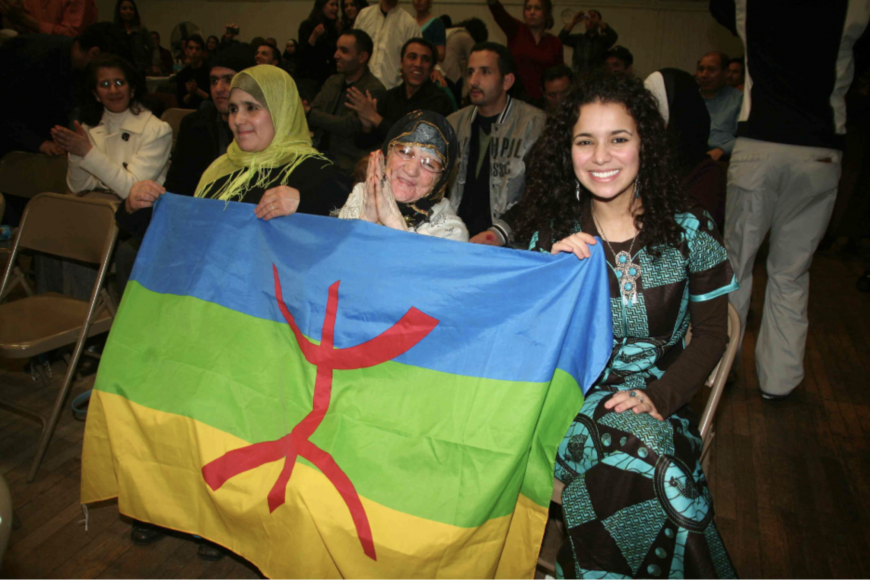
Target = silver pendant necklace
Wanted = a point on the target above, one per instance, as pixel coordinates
(626, 271)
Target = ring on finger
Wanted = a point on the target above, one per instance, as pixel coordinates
(640, 399)
(632, 394)
(272, 206)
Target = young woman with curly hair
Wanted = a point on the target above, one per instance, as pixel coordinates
(636, 501)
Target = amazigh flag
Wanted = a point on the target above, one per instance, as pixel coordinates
(330, 398)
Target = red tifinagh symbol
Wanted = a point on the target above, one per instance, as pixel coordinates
(413, 327)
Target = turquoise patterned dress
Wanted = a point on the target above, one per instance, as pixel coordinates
(636, 502)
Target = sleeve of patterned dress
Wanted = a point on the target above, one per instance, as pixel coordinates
(710, 280)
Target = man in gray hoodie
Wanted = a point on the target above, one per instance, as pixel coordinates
(495, 132)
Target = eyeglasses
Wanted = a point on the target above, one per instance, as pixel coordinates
(117, 82)
(430, 164)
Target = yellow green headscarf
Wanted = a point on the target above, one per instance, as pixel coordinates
(275, 89)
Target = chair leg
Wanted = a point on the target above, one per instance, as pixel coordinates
(48, 429)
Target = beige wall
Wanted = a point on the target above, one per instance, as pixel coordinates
(659, 33)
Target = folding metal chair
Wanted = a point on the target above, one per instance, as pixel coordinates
(73, 228)
(716, 382)
(28, 174)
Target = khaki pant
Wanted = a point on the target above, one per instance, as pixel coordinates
(790, 191)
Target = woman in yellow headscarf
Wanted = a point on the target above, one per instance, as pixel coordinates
(271, 161)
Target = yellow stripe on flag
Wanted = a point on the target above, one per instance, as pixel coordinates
(152, 462)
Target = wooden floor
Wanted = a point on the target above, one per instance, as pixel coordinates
(790, 479)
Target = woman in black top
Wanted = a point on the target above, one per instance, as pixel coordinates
(318, 37)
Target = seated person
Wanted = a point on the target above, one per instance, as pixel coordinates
(556, 82)
(496, 132)
(119, 142)
(688, 123)
(631, 451)
(334, 124)
(192, 81)
(267, 54)
(723, 104)
(619, 60)
(417, 91)
(271, 162)
(204, 136)
(408, 194)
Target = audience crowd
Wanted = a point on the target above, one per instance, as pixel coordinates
(411, 122)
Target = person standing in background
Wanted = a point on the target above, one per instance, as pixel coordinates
(533, 48)
(591, 46)
(785, 166)
(431, 27)
(390, 28)
(460, 41)
(318, 36)
(350, 9)
(64, 17)
(141, 43)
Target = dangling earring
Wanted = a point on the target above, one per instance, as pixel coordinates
(636, 189)
(578, 189)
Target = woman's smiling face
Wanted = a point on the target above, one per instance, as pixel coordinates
(250, 122)
(409, 179)
(605, 150)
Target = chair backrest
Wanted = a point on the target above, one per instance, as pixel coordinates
(174, 117)
(28, 174)
(719, 376)
(71, 227)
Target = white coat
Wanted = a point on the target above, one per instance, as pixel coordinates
(139, 150)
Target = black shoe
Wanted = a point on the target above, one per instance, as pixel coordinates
(769, 397)
(863, 283)
(143, 534)
(210, 552)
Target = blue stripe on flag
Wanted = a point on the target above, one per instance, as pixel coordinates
(503, 313)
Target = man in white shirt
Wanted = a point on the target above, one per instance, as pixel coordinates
(390, 28)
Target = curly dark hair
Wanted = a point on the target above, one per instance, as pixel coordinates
(550, 198)
(91, 109)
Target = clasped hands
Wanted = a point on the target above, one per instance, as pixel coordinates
(379, 206)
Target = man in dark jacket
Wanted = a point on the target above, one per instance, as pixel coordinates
(334, 124)
(417, 91)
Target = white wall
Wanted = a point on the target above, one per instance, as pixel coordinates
(659, 33)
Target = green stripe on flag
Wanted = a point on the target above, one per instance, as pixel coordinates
(451, 440)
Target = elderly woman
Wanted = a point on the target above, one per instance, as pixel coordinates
(636, 502)
(119, 141)
(406, 192)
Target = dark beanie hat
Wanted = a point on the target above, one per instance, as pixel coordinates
(235, 57)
